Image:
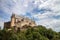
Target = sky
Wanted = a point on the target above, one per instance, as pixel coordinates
(44, 12)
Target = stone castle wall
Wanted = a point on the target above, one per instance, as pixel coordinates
(19, 21)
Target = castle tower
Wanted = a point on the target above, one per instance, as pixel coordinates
(13, 20)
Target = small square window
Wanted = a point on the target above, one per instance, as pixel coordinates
(22, 19)
(29, 23)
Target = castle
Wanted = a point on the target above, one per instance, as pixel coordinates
(19, 22)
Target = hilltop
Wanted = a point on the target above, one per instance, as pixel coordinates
(32, 33)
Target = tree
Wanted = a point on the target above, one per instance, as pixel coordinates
(30, 33)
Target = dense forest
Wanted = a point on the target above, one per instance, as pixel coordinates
(36, 33)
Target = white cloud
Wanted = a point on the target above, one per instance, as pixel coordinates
(48, 18)
(22, 6)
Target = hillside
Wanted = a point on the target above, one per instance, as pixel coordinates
(37, 33)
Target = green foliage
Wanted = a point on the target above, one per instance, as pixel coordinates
(36, 33)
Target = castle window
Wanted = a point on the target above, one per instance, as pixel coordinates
(25, 26)
(18, 28)
(14, 26)
(22, 19)
(19, 21)
(29, 23)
